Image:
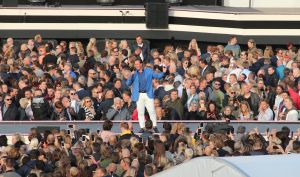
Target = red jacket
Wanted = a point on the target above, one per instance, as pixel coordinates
(295, 97)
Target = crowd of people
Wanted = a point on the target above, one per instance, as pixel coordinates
(42, 81)
(82, 153)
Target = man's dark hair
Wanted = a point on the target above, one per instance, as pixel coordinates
(58, 105)
(25, 160)
(3, 140)
(139, 59)
(167, 126)
(204, 61)
(148, 170)
(125, 52)
(117, 79)
(107, 125)
(9, 162)
(126, 160)
(174, 90)
(286, 130)
(148, 124)
(34, 154)
(32, 175)
(103, 170)
(40, 165)
(277, 50)
(127, 92)
(139, 36)
(96, 147)
(271, 67)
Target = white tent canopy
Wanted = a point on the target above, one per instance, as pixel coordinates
(242, 166)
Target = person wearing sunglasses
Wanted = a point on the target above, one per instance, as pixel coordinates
(75, 102)
(87, 111)
(217, 95)
(8, 109)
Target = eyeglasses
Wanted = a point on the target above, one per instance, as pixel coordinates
(8, 99)
(217, 84)
(232, 92)
(88, 101)
(72, 93)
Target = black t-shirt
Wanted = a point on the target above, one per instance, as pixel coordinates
(249, 102)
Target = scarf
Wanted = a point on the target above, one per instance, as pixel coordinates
(88, 113)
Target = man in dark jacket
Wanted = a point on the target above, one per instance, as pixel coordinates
(176, 103)
(159, 91)
(9, 110)
(106, 104)
(49, 59)
(81, 92)
(277, 56)
(144, 47)
(251, 98)
(272, 78)
(40, 107)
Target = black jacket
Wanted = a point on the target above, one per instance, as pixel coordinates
(145, 50)
(104, 107)
(193, 115)
(72, 113)
(160, 93)
(272, 80)
(11, 113)
(82, 93)
(41, 109)
(22, 114)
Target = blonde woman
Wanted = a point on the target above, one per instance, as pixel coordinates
(124, 45)
(79, 48)
(97, 55)
(91, 44)
(131, 172)
(193, 45)
(7, 52)
(177, 129)
(87, 111)
(268, 52)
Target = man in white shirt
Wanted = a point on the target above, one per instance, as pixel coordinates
(265, 113)
(291, 112)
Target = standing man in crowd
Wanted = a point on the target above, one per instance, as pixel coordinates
(142, 91)
(143, 46)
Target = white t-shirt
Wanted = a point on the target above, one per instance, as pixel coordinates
(266, 115)
(292, 115)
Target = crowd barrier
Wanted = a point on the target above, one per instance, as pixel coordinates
(23, 127)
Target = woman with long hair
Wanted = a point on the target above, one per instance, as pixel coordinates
(245, 112)
(212, 112)
(193, 45)
(124, 45)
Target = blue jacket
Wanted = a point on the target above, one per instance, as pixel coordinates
(134, 81)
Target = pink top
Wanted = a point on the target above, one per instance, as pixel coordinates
(105, 135)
